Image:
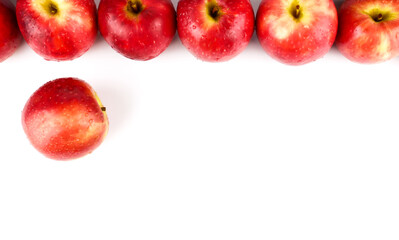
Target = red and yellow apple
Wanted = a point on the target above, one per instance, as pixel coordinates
(215, 30)
(296, 32)
(64, 119)
(368, 30)
(138, 29)
(58, 30)
(10, 38)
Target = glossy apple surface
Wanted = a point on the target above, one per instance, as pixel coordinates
(296, 32)
(215, 30)
(58, 30)
(368, 30)
(64, 119)
(10, 38)
(138, 29)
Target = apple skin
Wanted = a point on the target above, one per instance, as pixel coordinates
(296, 41)
(142, 36)
(65, 35)
(364, 40)
(215, 40)
(10, 37)
(64, 119)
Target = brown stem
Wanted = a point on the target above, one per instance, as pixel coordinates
(297, 12)
(215, 11)
(379, 17)
(53, 9)
(134, 7)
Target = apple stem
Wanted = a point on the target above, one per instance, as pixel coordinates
(134, 7)
(297, 8)
(103, 109)
(379, 17)
(215, 11)
(53, 9)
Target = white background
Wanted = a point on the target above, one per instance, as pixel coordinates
(246, 149)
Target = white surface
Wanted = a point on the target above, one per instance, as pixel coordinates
(247, 149)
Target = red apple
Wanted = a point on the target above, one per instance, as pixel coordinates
(58, 30)
(138, 29)
(215, 30)
(296, 32)
(368, 30)
(10, 38)
(64, 119)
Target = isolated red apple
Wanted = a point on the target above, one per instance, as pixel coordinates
(138, 29)
(64, 119)
(58, 30)
(296, 32)
(215, 30)
(10, 38)
(368, 30)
